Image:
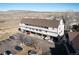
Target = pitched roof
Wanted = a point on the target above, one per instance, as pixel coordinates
(40, 22)
(74, 38)
(73, 35)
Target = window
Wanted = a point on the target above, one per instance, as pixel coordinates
(40, 30)
(29, 28)
(36, 29)
(32, 28)
(41, 26)
(26, 24)
(46, 27)
(26, 27)
(46, 31)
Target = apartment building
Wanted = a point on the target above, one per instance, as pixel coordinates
(48, 27)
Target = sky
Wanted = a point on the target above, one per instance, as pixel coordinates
(40, 6)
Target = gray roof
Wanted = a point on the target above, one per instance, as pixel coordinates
(41, 22)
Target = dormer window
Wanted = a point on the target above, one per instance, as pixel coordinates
(26, 24)
(46, 27)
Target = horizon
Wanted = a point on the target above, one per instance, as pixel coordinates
(38, 10)
(47, 7)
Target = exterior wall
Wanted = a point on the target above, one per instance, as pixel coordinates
(61, 28)
(50, 31)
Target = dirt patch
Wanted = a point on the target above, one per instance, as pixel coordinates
(2, 21)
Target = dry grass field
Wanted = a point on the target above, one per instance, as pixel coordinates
(9, 20)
